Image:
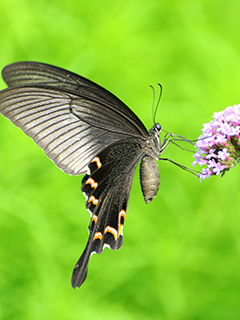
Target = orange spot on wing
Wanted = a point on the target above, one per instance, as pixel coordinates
(93, 200)
(122, 213)
(112, 231)
(98, 162)
(92, 183)
(94, 218)
(98, 235)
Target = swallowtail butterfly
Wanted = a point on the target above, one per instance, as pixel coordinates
(84, 129)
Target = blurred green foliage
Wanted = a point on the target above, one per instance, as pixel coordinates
(181, 253)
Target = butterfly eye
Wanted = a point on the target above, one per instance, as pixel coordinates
(158, 127)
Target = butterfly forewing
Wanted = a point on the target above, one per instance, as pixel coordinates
(70, 129)
(39, 74)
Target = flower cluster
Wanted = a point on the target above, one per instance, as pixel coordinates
(219, 146)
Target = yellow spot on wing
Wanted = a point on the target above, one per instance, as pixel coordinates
(98, 162)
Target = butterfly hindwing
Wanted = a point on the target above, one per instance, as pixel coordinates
(107, 187)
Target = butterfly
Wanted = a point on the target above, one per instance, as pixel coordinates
(85, 129)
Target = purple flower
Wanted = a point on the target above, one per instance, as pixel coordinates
(204, 175)
(219, 145)
(223, 155)
(211, 154)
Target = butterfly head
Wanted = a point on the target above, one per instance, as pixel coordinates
(155, 130)
(157, 127)
(154, 142)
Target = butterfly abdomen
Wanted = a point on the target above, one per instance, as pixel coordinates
(149, 178)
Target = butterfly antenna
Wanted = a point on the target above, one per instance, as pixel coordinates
(159, 98)
(153, 102)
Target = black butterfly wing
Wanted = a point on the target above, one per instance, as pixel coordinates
(31, 73)
(70, 126)
(107, 187)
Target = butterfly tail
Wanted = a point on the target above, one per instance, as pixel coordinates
(80, 270)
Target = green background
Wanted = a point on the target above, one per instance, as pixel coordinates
(181, 253)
